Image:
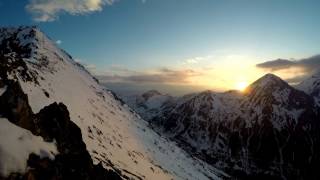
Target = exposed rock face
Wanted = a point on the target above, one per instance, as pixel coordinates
(53, 124)
(13, 52)
(270, 131)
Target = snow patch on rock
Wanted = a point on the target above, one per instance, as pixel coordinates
(16, 144)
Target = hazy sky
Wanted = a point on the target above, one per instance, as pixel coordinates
(202, 43)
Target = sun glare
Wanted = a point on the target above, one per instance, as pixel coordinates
(241, 86)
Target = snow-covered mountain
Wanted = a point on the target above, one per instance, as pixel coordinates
(269, 131)
(147, 104)
(58, 122)
(312, 87)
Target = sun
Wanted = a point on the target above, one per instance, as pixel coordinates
(241, 86)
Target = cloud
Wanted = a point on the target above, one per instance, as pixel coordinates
(59, 42)
(308, 64)
(192, 61)
(196, 60)
(121, 69)
(301, 69)
(49, 10)
(162, 76)
(277, 64)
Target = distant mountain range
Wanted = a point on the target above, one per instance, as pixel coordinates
(269, 131)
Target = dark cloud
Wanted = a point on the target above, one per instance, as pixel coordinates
(277, 64)
(307, 67)
(310, 64)
(163, 75)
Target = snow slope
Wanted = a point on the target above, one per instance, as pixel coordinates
(114, 135)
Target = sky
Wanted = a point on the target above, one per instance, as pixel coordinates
(177, 46)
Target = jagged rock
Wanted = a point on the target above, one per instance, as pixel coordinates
(53, 124)
(14, 105)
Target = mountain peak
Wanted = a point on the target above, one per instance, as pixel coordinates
(23, 34)
(150, 93)
(22, 41)
(269, 76)
(25, 49)
(268, 80)
(268, 89)
(29, 43)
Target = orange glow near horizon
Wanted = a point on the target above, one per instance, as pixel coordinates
(234, 74)
(237, 74)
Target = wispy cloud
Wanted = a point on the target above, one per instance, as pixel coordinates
(196, 60)
(49, 10)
